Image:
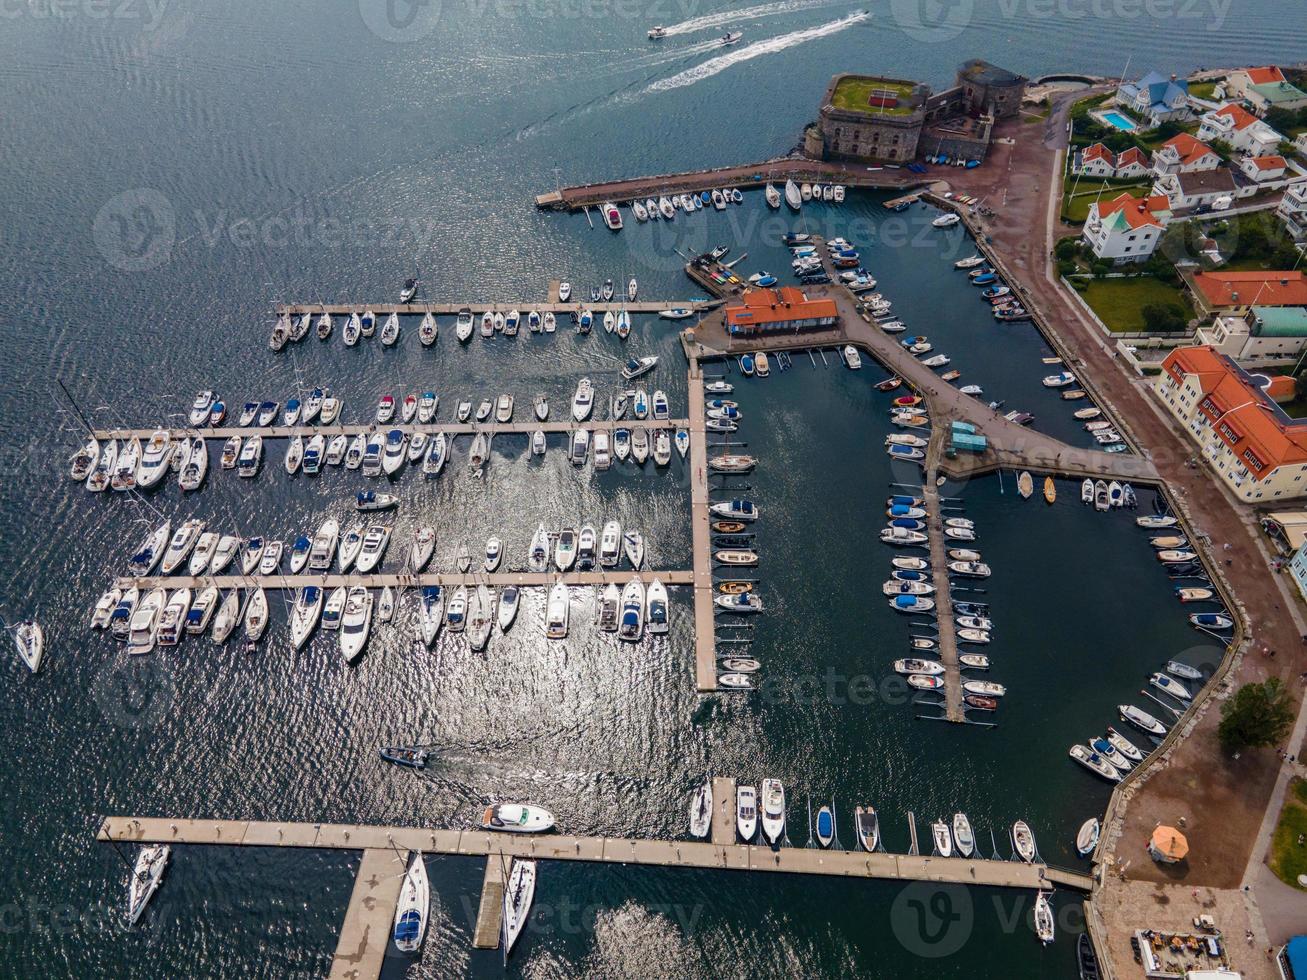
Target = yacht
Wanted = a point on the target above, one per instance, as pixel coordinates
(431, 611)
(565, 549)
(656, 611)
(773, 811)
(946, 220)
(637, 366)
(395, 452)
(203, 553)
(422, 548)
(153, 459)
(463, 325)
(556, 612)
(144, 622)
(256, 615)
(105, 468)
(633, 545)
(413, 908)
(1094, 762)
(509, 600)
(304, 618)
(355, 623)
(736, 510)
(631, 618)
(353, 328)
(323, 548)
(701, 811)
(964, 838)
(773, 195)
(504, 409)
(583, 400)
(179, 548)
(603, 458)
(580, 446)
(793, 197)
(746, 812)
(390, 330)
(456, 611)
(610, 544)
(373, 547)
(436, 454)
(147, 873)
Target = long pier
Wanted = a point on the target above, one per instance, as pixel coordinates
(948, 643)
(550, 305)
(705, 627)
(408, 428)
(748, 175)
(397, 580)
(361, 948)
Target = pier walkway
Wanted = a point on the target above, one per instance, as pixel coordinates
(527, 428)
(746, 175)
(705, 628)
(551, 304)
(948, 642)
(369, 916)
(398, 580)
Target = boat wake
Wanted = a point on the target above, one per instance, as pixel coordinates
(723, 17)
(772, 45)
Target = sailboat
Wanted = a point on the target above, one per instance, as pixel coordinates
(413, 908)
(518, 896)
(146, 876)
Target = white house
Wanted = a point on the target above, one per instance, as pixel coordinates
(1184, 154)
(1096, 161)
(1292, 210)
(1300, 145)
(1263, 169)
(1243, 131)
(1264, 335)
(1192, 190)
(1132, 163)
(1265, 88)
(1156, 98)
(1126, 229)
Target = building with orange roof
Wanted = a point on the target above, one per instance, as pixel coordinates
(766, 311)
(1095, 161)
(1263, 169)
(1183, 154)
(1132, 162)
(1227, 293)
(1264, 89)
(1126, 228)
(1236, 126)
(1254, 447)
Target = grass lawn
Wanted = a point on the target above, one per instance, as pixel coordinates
(1288, 858)
(853, 93)
(1203, 90)
(1118, 301)
(1076, 207)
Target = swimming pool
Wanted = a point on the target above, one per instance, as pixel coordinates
(1123, 123)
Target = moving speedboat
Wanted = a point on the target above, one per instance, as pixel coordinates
(635, 367)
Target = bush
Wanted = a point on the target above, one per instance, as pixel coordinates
(1257, 716)
(1067, 248)
(1079, 285)
(1065, 267)
(1163, 318)
(1100, 268)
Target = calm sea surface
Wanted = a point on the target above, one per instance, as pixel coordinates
(169, 172)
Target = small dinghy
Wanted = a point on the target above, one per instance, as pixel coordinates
(411, 758)
(1087, 837)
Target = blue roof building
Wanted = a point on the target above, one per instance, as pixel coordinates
(1156, 99)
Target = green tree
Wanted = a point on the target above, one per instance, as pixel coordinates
(1066, 248)
(1257, 716)
(1163, 317)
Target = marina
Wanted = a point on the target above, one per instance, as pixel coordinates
(524, 427)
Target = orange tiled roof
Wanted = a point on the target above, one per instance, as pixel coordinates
(1098, 152)
(1264, 76)
(777, 306)
(1262, 288)
(1269, 163)
(1132, 155)
(1188, 147)
(1137, 211)
(1248, 420)
(1241, 117)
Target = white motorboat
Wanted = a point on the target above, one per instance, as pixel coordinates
(200, 558)
(964, 838)
(656, 620)
(519, 892)
(633, 546)
(773, 811)
(1141, 719)
(946, 220)
(179, 548)
(356, 622)
(580, 447)
(1094, 762)
(537, 559)
(373, 547)
(736, 510)
(793, 196)
(422, 548)
(603, 457)
(504, 409)
(104, 608)
(610, 545)
(637, 366)
(437, 452)
(565, 549)
(124, 470)
(539, 443)
(227, 617)
(413, 908)
(942, 839)
(145, 622)
(509, 600)
(587, 548)
(639, 445)
(395, 452)
(463, 325)
(154, 459)
(1023, 841)
(1087, 837)
(682, 442)
(517, 818)
(147, 874)
(270, 560)
(746, 812)
(610, 602)
(630, 625)
(1124, 746)
(390, 330)
(583, 400)
(557, 612)
(1171, 686)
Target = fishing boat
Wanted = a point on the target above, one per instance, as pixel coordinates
(517, 818)
(519, 893)
(1094, 762)
(1141, 719)
(746, 812)
(1044, 927)
(147, 873)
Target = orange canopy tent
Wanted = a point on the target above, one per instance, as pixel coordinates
(1167, 844)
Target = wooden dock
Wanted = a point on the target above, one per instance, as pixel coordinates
(705, 628)
(398, 580)
(477, 308)
(366, 930)
(948, 642)
(453, 429)
(723, 810)
(365, 933)
(490, 913)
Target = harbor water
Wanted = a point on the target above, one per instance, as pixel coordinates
(172, 174)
